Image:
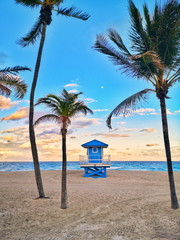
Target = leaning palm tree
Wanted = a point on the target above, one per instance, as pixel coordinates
(39, 29)
(155, 58)
(64, 108)
(9, 80)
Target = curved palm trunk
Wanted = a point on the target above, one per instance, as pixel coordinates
(31, 117)
(174, 200)
(63, 183)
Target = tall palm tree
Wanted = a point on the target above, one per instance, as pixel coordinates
(64, 108)
(10, 80)
(155, 58)
(39, 29)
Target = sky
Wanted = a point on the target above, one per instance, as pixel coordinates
(69, 61)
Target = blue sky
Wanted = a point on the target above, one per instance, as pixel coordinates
(70, 61)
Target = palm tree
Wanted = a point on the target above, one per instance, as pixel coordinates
(64, 108)
(155, 58)
(39, 29)
(10, 80)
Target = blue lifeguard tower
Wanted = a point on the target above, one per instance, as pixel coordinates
(95, 162)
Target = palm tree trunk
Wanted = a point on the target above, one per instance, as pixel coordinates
(63, 183)
(31, 118)
(174, 200)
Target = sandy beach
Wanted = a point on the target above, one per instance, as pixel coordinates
(126, 205)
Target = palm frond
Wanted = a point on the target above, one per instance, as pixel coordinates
(72, 12)
(50, 103)
(138, 36)
(133, 67)
(79, 107)
(57, 2)
(47, 117)
(13, 82)
(170, 33)
(129, 104)
(166, 31)
(31, 37)
(14, 70)
(147, 18)
(64, 106)
(29, 3)
(153, 62)
(174, 78)
(116, 38)
(4, 90)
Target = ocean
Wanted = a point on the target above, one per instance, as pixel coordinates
(115, 165)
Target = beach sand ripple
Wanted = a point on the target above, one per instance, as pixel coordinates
(126, 205)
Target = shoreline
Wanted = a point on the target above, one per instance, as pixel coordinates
(126, 205)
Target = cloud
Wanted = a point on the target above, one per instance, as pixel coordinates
(83, 122)
(8, 138)
(90, 100)
(121, 122)
(14, 130)
(5, 103)
(111, 135)
(19, 114)
(100, 110)
(178, 111)
(169, 112)
(51, 131)
(144, 111)
(71, 85)
(151, 144)
(73, 91)
(25, 145)
(128, 129)
(148, 130)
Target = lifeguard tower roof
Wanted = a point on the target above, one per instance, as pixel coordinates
(94, 143)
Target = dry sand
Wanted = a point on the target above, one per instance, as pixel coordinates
(126, 205)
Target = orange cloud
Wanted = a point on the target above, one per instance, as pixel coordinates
(19, 114)
(152, 144)
(109, 135)
(5, 103)
(148, 130)
(8, 138)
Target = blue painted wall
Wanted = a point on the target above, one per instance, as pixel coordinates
(95, 157)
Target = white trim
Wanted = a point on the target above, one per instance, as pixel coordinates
(96, 151)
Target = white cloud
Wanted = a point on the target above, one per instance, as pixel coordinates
(83, 122)
(100, 110)
(73, 91)
(71, 85)
(90, 100)
(121, 122)
(144, 111)
(169, 112)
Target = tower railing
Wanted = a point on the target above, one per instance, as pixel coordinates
(94, 159)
